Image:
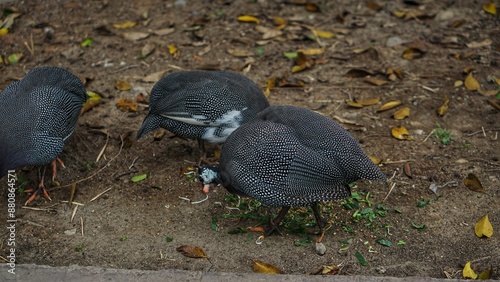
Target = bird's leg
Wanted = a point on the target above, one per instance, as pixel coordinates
(274, 223)
(54, 167)
(203, 153)
(40, 189)
(320, 221)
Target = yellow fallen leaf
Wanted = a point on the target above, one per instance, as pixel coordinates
(368, 102)
(93, 100)
(490, 8)
(483, 227)
(375, 160)
(485, 92)
(298, 68)
(388, 106)
(191, 251)
(471, 83)
(400, 132)
(127, 105)
(248, 19)
(3, 31)
(124, 25)
(312, 51)
(458, 83)
(467, 272)
(322, 33)
(353, 104)
(265, 268)
(401, 113)
(122, 85)
(485, 275)
(441, 110)
(279, 21)
(172, 50)
(473, 183)
(412, 53)
(399, 14)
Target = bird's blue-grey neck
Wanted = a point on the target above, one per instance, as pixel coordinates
(208, 175)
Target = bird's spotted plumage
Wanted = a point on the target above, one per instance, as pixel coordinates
(289, 156)
(203, 105)
(37, 115)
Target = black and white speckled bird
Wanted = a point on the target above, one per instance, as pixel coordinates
(289, 156)
(203, 105)
(37, 116)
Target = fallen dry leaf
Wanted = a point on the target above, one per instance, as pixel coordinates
(471, 83)
(154, 77)
(400, 132)
(375, 160)
(487, 93)
(128, 24)
(135, 35)
(401, 113)
(127, 105)
(494, 103)
(147, 49)
(355, 73)
(490, 8)
(191, 251)
(407, 170)
(122, 85)
(373, 5)
(441, 110)
(368, 102)
(473, 183)
(322, 33)
(485, 275)
(312, 7)
(248, 19)
(93, 100)
(412, 53)
(312, 51)
(265, 268)
(164, 31)
(467, 272)
(172, 50)
(375, 81)
(330, 270)
(388, 106)
(483, 227)
(240, 52)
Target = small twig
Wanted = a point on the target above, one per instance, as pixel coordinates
(81, 225)
(74, 213)
(73, 203)
(31, 46)
(133, 163)
(390, 190)
(100, 194)
(72, 193)
(482, 131)
(101, 169)
(200, 201)
(6, 260)
(103, 148)
(397, 162)
(428, 136)
(37, 209)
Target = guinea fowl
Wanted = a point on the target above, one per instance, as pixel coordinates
(289, 156)
(203, 105)
(37, 116)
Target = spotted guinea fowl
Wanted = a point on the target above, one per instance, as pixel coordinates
(202, 105)
(289, 156)
(37, 116)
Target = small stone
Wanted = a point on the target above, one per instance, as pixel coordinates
(320, 248)
(70, 231)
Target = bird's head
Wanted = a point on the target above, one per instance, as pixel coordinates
(207, 176)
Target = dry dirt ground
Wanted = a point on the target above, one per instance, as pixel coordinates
(140, 224)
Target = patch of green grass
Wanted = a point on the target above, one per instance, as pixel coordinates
(79, 249)
(443, 135)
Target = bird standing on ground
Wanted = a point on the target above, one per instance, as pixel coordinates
(203, 105)
(37, 116)
(289, 156)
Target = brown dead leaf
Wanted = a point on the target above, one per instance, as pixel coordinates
(355, 73)
(401, 113)
(494, 103)
(127, 105)
(122, 85)
(400, 132)
(154, 77)
(147, 49)
(443, 109)
(479, 44)
(258, 229)
(487, 93)
(412, 53)
(279, 21)
(240, 52)
(407, 170)
(473, 183)
(135, 35)
(375, 81)
(191, 251)
(267, 32)
(471, 83)
(159, 134)
(164, 31)
(330, 270)
(265, 268)
(312, 7)
(373, 5)
(388, 106)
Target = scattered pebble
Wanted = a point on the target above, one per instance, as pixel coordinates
(320, 249)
